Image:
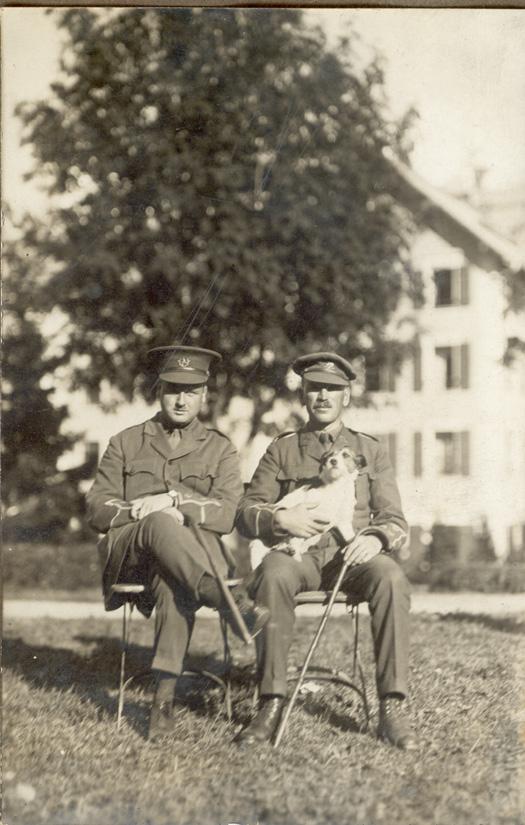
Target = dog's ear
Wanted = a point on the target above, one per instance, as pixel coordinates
(360, 461)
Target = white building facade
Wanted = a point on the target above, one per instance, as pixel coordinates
(453, 419)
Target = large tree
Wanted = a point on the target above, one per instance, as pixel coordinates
(38, 501)
(224, 187)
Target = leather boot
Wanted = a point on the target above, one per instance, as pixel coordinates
(264, 724)
(394, 724)
(161, 721)
(255, 616)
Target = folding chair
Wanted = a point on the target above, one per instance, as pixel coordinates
(328, 674)
(130, 591)
(318, 673)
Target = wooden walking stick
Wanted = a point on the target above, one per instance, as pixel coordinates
(289, 707)
(241, 624)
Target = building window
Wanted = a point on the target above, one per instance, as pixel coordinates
(456, 366)
(379, 376)
(418, 455)
(454, 453)
(452, 287)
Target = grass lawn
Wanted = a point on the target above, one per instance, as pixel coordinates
(66, 764)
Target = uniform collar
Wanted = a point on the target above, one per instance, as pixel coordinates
(308, 433)
(190, 436)
(309, 439)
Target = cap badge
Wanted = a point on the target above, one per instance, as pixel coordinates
(184, 363)
(330, 366)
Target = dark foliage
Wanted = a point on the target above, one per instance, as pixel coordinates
(38, 501)
(225, 187)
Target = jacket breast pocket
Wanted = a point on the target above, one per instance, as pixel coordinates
(290, 478)
(140, 479)
(198, 476)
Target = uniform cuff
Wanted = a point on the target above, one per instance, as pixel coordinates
(383, 538)
(264, 522)
(276, 531)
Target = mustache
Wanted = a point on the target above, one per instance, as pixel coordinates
(323, 405)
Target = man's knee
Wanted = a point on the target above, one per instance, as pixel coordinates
(279, 572)
(386, 573)
(157, 526)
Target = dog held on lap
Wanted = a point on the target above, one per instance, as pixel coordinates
(333, 500)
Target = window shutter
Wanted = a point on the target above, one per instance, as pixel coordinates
(418, 455)
(464, 289)
(464, 370)
(418, 378)
(465, 453)
(455, 368)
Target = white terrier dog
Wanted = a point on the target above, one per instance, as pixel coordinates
(333, 499)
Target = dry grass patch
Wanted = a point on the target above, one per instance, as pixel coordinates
(66, 764)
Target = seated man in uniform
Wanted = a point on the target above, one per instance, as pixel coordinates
(291, 460)
(162, 485)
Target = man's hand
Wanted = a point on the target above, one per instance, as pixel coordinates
(299, 521)
(141, 507)
(363, 548)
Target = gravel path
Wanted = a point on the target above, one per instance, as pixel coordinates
(493, 604)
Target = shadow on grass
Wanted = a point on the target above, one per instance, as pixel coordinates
(346, 721)
(504, 624)
(94, 676)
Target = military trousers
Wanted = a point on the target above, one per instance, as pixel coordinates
(380, 582)
(166, 556)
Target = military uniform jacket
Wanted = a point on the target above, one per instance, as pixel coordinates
(140, 461)
(293, 459)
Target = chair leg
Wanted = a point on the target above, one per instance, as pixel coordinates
(126, 623)
(357, 664)
(255, 696)
(228, 667)
(225, 682)
(329, 674)
(355, 627)
(288, 709)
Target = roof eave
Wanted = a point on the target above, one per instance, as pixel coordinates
(450, 219)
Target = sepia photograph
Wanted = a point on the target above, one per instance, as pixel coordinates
(263, 415)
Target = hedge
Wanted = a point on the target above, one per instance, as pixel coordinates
(76, 566)
(52, 566)
(486, 578)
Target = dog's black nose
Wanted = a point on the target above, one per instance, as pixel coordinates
(333, 462)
